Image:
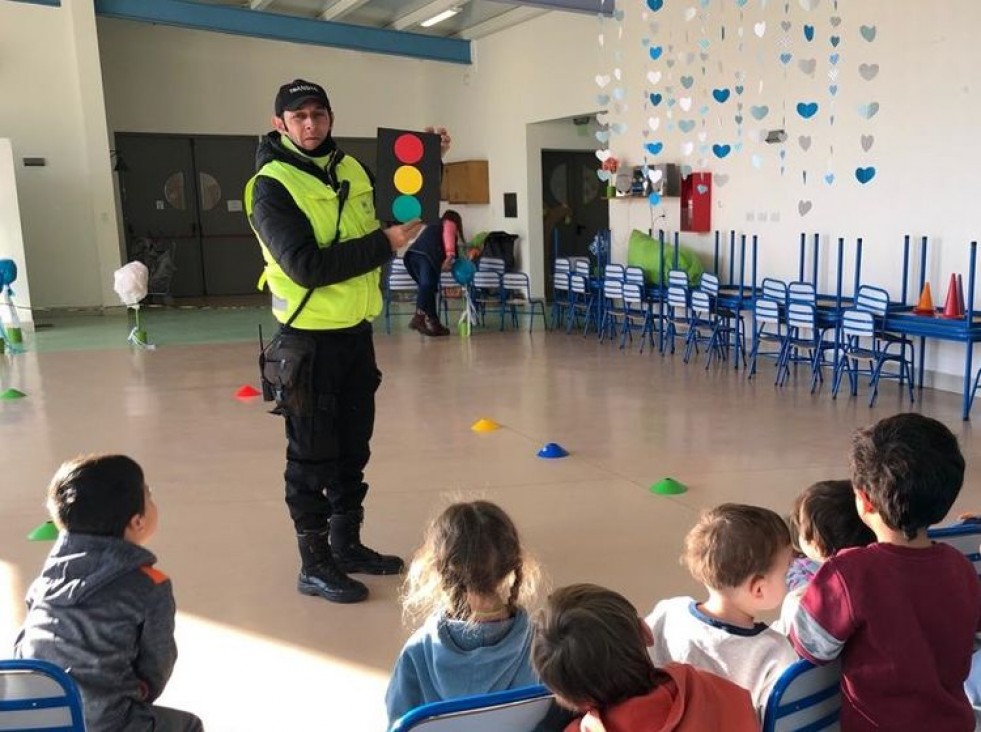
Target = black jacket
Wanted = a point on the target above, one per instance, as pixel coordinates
(288, 234)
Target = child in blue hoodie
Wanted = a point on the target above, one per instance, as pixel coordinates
(100, 609)
(469, 581)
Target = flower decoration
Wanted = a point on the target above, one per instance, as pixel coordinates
(611, 165)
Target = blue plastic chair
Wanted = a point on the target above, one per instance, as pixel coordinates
(636, 308)
(613, 307)
(37, 695)
(560, 290)
(767, 328)
(729, 325)
(864, 342)
(398, 280)
(806, 698)
(487, 290)
(965, 537)
(516, 709)
(517, 291)
(802, 334)
(581, 300)
(676, 308)
(705, 326)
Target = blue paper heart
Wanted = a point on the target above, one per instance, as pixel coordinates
(671, 102)
(654, 147)
(686, 125)
(705, 3)
(703, 110)
(739, 119)
(645, 41)
(868, 110)
(655, 5)
(829, 178)
(835, 40)
(759, 111)
(618, 128)
(834, 58)
(721, 150)
(757, 161)
(603, 175)
(602, 135)
(738, 147)
(618, 93)
(864, 175)
(685, 171)
(656, 99)
(809, 32)
(687, 81)
(702, 189)
(656, 52)
(704, 43)
(785, 58)
(868, 32)
(741, 3)
(618, 14)
(807, 109)
(833, 89)
(603, 99)
(720, 95)
(654, 199)
(739, 88)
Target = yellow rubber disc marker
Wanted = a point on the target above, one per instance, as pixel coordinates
(408, 180)
(484, 425)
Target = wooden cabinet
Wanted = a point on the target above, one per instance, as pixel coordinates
(465, 181)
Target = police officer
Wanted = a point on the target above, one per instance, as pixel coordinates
(312, 209)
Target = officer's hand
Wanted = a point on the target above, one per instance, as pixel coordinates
(400, 235)
(444, 138)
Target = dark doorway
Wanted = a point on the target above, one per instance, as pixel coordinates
(573, 204)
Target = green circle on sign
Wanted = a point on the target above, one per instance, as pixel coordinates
(406, 208)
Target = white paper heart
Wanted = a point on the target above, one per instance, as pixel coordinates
(685, 103)
(654, 123)
(655, 174)
(653, 77)
(617, 73)
(756, 160)
(603, 155)
(690, 14)
(702, 136)
(603, 118)
(687, 148)
(601, 40)
(602, 80)
(809, 4)
(760, 29)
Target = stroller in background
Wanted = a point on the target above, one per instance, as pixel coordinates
(160, 258)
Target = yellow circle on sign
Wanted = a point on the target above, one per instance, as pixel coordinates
(408, 179)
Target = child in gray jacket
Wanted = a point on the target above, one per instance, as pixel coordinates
(100, 609)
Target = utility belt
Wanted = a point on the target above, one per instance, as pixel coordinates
(286, 368)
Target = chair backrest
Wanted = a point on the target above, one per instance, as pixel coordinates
(37, 695)
(677, 296)
(490, 264)
(636, 276)
(633, 295)
(614, 272)
(560, 274)
(873, 299)
(677, 278)
(857, 323)
(805, 697)
(447, 280)
(965, 537)
(487, 279)
(710, 283)
(515, 709)
(775, 290)
(580, 265)
(701, 303)
(801, 292)
(399, 279)
(612, 289)
(767, 311)
(517, 282)
(579, 284)
(801, 315)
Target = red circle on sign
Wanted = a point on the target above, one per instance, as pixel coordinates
(408, 149)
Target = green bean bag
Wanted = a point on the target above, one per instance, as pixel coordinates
(645, 252)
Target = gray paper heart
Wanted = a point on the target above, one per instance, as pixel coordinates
(805, 142)
(807, 65)
(835, 21)
(867, 142)
(721, 179)
(785, 24)
(868, 71)
(803, 207)
(868, 110)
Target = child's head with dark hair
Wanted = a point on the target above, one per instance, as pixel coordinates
(590, 648)
(105, 495)
(825, 520)
(909, 469)
(470, 553)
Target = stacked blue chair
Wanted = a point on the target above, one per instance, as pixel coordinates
(769, 320)
(612, 310)
(636, 308)
(635, 276)
(730, 326)
(806, 698)
(676, 309)
(582, 300)
(398, 280)
(487, 291)
(704, 326)
(560, 290)
(517, 294)
(37, 695)
(803, 334)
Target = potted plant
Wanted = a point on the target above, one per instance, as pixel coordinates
(611, 165)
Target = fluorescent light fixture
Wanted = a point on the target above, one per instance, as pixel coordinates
(439, 17)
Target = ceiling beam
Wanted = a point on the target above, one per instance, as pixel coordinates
(499, 22)
(576, 6)
(260, 4)
(336, 9)
(244, 22)
(426, 12)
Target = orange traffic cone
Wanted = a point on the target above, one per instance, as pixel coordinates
(952, 308)
(925, 305)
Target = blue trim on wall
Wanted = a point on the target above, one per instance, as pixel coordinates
(49, 3)
(245, 22)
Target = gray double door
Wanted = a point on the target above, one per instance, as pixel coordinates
(184, 215)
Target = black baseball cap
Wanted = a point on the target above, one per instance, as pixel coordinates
(294, 95)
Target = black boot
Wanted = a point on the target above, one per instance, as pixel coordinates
(353, 556)
(320, 575)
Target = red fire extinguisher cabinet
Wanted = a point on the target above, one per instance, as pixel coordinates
(696, 202)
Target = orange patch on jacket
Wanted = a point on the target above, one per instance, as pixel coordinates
(154, 574)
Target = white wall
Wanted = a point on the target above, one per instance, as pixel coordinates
(11, 236)
(51, 87)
